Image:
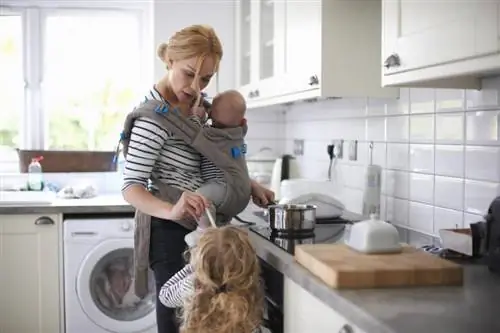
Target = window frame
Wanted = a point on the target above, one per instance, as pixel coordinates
(33, 127)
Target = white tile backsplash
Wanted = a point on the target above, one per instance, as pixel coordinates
(439, 150)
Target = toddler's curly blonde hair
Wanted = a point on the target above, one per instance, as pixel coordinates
(228, 295)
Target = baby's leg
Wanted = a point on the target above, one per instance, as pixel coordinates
(215, 192)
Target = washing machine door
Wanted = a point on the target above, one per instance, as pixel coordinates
(105, 289)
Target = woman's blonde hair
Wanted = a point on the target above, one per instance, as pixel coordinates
(228, 294)
(199, 40)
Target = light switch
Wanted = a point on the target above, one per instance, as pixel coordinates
(353, 150)
(338, 149)
(298, 147)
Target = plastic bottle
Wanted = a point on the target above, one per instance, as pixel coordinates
(35, 174)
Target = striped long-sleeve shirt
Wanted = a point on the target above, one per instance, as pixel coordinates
(177, 288)
(155, 151)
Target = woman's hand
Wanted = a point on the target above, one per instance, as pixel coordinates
(191, 205)
(261, 196)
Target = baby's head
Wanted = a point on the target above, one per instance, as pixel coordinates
(228, 295)
(228, 109)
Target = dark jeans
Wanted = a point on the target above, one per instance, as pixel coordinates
(166, 257)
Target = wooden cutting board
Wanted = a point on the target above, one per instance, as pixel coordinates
(341, 267)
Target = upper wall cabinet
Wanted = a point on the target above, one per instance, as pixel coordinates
(440, 44)
(289, 50)
(259, 46)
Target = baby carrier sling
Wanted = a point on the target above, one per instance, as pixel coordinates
(224, 147)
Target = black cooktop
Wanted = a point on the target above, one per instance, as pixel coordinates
(324, 233)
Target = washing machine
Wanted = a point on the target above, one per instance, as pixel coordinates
(98, 279)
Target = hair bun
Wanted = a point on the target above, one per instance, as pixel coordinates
(161, 51)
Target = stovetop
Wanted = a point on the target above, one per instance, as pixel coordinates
(324, 233)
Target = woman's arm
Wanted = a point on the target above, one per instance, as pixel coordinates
(261, 196)
(177, 288)
(146, 141)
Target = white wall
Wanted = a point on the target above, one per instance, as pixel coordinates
(440, 150)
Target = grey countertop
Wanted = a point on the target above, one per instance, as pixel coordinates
(102, 204)
(466, 309)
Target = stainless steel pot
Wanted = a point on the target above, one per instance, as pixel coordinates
(292, 218)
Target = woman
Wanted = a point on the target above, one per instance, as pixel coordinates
(192, 57)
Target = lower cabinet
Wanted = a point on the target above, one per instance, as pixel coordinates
(29, 273)
(304, 313)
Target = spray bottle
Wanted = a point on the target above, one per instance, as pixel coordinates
(35, 174)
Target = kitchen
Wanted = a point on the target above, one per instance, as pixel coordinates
(436, 139)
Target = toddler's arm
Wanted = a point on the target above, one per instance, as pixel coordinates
(177, 288)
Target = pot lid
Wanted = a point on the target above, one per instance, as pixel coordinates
(265, 154)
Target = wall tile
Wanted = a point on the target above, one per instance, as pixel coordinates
(487, 97)
(398, 128)
(422, 158)
(449, 192)
(450, 128)
(439, 150)
(422, 128)
(422, 100)
(449, 160)
(422, 188)
(450, 100)
(482, 127)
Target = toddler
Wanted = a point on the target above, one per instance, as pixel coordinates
(220, 289)
(227, 111)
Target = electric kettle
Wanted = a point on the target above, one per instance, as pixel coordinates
(285, 167)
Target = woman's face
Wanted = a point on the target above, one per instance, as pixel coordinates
(181, 76)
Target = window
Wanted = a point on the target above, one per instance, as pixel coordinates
(90, 76)
(68, 76)
(11, 79)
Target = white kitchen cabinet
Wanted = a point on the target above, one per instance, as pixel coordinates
(30, 296)
(304, 313)
(260, 52)
(440, 44)
(171, 16)
(319, 49)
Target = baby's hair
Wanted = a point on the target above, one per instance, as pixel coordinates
(228, 294)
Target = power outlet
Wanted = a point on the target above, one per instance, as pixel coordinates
(338, 151)
(298, 147)
(353, 150)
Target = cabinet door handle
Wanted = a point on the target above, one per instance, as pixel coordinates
(257, 93)
(250, 94)
(44, 220)
(392, 61)
(313, 80)
(346, 329)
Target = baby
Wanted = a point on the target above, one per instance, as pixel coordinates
(228, 111)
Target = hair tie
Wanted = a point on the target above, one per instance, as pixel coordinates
(221, 289)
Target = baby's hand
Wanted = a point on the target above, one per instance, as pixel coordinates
(199, 111)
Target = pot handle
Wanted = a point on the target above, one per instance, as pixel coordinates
(272, 203)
